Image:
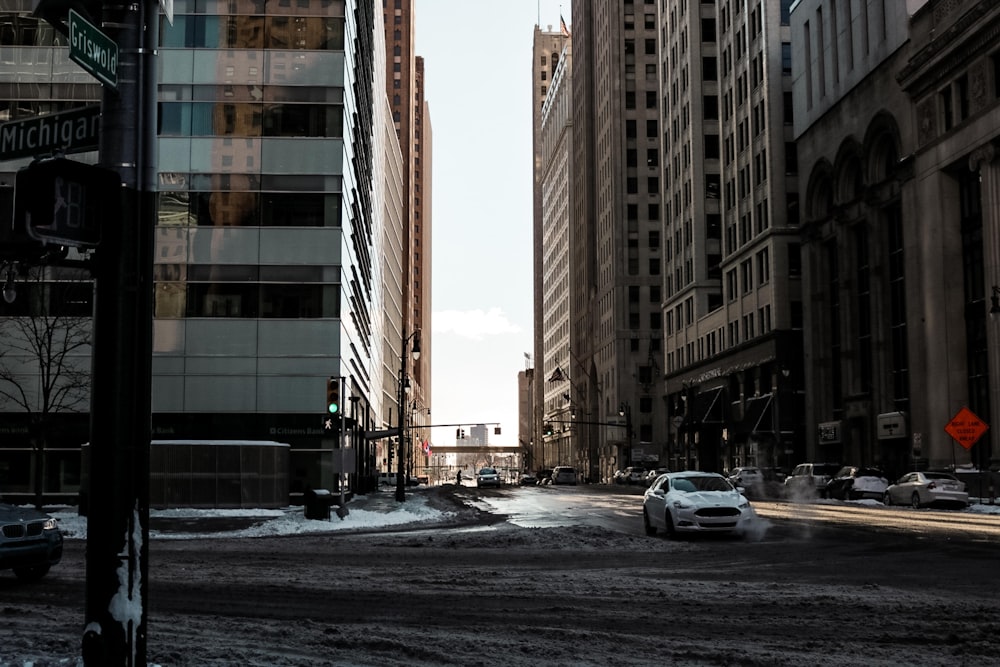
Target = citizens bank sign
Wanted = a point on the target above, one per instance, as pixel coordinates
(72, 131)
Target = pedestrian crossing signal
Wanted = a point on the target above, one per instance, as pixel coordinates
(333, 395)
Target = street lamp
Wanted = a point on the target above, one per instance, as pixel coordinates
(404, 382)
(625, 410)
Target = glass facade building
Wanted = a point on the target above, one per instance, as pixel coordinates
(267, 278)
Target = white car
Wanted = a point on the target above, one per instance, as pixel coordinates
(748, 478)
(927, 488)
(699, 502)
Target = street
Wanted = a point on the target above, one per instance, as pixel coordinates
(557, 576)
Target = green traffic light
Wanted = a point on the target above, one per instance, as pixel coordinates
(332, 408)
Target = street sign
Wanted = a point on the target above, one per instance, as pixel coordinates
(92, 50)
(73, 131)
(966, 427)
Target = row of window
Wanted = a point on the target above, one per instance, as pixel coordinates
(226, 208)
(200, 31)
(176, 300)
(746, 328)
(214, 119)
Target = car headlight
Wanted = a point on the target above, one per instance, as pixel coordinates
(50, 524)
(745, 505)
(683, 504)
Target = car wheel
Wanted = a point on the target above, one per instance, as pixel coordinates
(886, 499)
(668, 521)
(650, 528)
(32, 572)
(915, 500)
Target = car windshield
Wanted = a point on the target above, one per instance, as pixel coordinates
(690, 484)
(869, 472)
(939, 475)
(487, 471)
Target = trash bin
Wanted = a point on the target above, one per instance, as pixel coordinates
(317, 503)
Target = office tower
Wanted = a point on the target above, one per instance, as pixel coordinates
(266, 254)
(404, 85)
(732, 305)
(615, 239)
(547, 47)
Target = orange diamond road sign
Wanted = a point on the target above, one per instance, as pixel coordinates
(966, 427)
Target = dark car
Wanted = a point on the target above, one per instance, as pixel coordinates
(30, 542)
(857, 483)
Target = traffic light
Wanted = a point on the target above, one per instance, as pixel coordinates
(333, 395)
(548, 428)
(458, 434)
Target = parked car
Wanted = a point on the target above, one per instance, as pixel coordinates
(633, 474)
(487, 477)
(747, 477)
(564, 475)
(652, 474)
(857, 483)
(694, 502)
(809, 479)
(30, 542)
(919, 489)
(527, 479)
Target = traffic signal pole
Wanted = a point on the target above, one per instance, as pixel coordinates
(117, 563)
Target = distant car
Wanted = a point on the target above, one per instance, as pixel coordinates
(809, 479)
(651, 475)
(30, 542)
(700, 502)
(564, 475)
(857, 483)
(919, 489)
(633, 475)
(487, 477)
(747, 477)
(527, 479)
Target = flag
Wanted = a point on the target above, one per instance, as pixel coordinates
(557, 375)
(562, 26)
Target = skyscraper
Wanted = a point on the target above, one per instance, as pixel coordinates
(732, 305)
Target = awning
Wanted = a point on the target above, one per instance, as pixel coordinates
(707, 408)
(756, 416)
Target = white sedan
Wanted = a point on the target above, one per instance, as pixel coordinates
(919, 489)
(701, 502)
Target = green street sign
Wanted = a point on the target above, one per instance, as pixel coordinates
(92, 50)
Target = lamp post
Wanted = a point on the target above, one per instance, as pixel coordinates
(401, 407)
(625, 410)
(778, 444)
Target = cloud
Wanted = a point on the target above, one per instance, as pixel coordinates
(474, 324)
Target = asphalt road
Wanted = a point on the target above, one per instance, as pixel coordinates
(817, 588)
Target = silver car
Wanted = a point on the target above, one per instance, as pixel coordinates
(700, 502)
(920, 489)
(487, 477)
(564, 475)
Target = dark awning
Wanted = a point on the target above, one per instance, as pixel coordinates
(756, 416)
(707, 408)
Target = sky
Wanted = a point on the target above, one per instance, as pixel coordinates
(477, 60)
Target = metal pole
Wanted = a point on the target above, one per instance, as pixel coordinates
(118, 514)
(342, 511)
(400, 461)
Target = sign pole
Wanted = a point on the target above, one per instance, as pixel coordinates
(117, 564)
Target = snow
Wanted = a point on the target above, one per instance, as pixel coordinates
(287, 521)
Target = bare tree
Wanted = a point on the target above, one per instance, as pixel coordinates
(45, 362)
